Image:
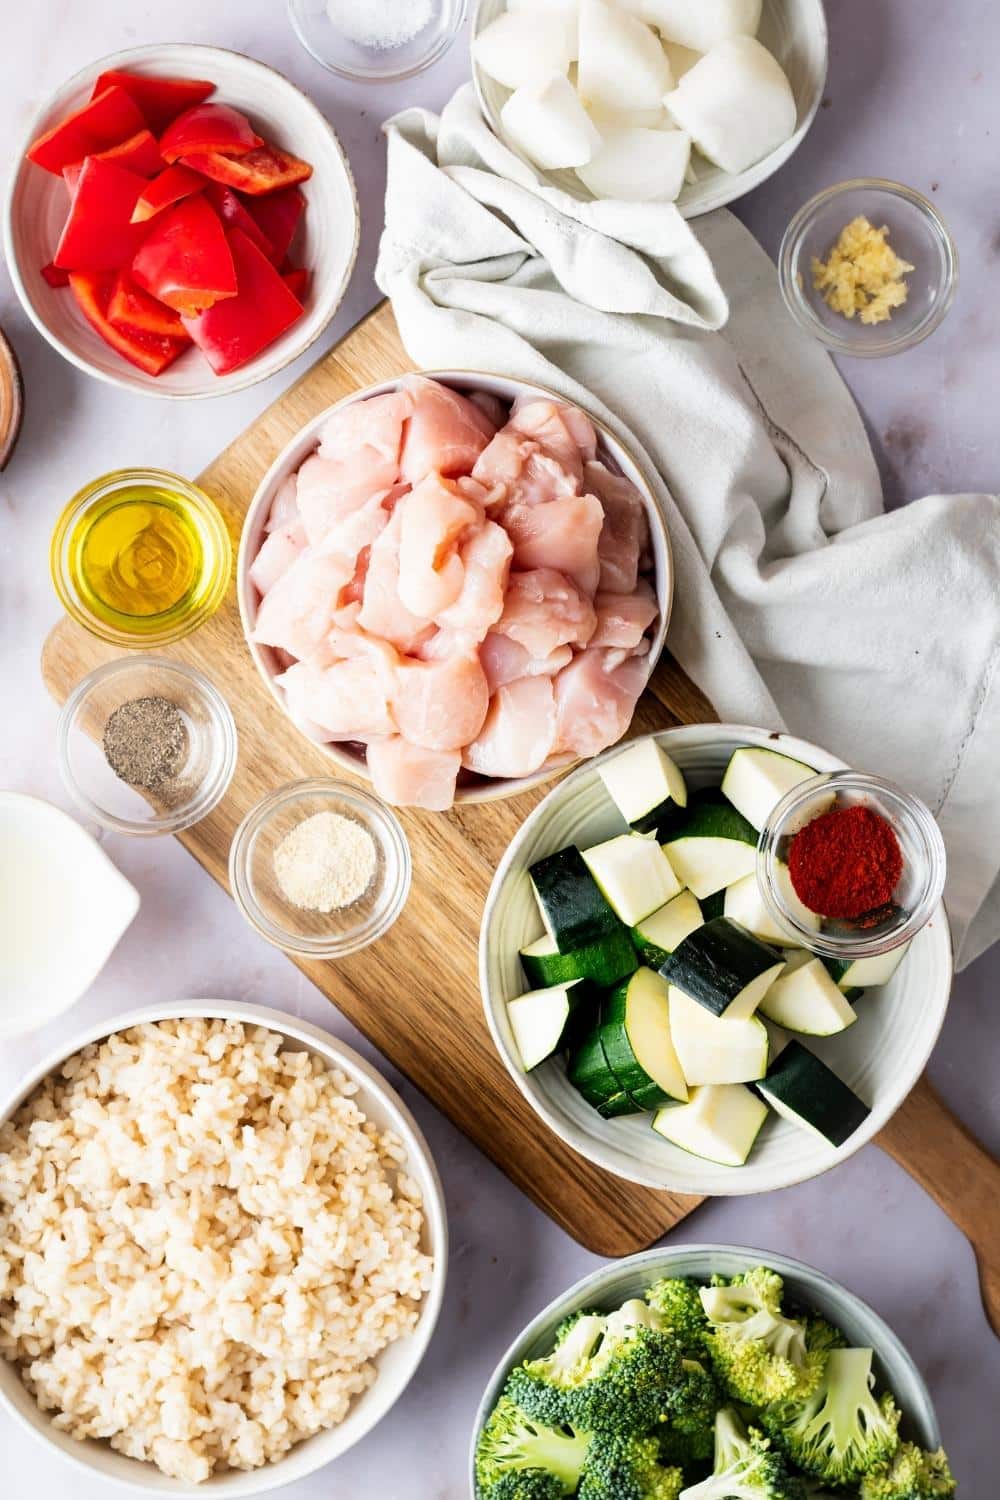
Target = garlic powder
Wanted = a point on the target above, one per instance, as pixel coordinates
(863, 274)
(325, 863)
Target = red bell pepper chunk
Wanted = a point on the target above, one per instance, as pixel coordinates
(278, 216)
(264, 170)
(233, 332)
(296, 278)
(152, 352)
(105, 121)
(160, 100)
(71, 176)
(139, 154)
(185, 259)
(170, 186)
(98, 234)
(131, 307)
(55, 275)
(208, 127)
(233, 214)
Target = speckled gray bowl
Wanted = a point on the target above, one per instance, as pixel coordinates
(613, 1284)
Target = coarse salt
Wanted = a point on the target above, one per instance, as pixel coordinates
(325, 863)
(380, 24)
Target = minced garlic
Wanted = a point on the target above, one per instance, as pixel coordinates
(863, 275)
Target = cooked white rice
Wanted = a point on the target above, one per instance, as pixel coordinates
(203, 1245)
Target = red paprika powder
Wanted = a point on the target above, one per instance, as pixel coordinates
(845, 863)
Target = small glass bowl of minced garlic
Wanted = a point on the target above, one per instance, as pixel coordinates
(868, 267)
(320, 868)
(146, 745)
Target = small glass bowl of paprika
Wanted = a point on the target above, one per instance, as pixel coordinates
(850, 864)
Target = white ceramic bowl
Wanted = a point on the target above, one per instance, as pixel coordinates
(396, 1365)
(68, 907)
(326, 243)
(881, 1056)
(609, 1286)
(795, 31)
(610, 449)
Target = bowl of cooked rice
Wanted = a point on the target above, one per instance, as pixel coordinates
(223, 1249)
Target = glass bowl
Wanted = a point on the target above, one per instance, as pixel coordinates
(921, 845)
(316, 934)
(200, 519)
(201, 779)
(374, 41)
(917, 234)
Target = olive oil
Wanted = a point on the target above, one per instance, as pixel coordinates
(141, 556)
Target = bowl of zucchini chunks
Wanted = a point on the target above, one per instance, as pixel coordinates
(645, 1002)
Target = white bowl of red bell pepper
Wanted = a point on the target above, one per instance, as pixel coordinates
(182, 221)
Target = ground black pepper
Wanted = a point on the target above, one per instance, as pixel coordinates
(146, 742)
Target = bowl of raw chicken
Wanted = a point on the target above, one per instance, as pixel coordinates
(457, 584)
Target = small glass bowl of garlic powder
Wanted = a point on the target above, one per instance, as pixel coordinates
(868, 267)
(320, 868)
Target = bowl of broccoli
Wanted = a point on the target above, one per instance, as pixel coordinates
(702, 1373)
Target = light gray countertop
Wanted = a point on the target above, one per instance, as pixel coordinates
(912, 95)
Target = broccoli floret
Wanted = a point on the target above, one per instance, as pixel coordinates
(628, 1469)
(525, 1484)
(758, 1353)
(513, 1442)
(620, 1385)
(842, 1430)
(911, 1474)
(690, 1451)
(677, 1302)
(747, 1467)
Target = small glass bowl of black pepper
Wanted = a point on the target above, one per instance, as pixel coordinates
(915, 896)
(146, 745)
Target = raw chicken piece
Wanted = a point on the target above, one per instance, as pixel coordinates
(504, 457)
(544, 610)
(369, 433)
(519, 730)
(346, 641)
(297, 612)
(349, 537)
(440, 705)
(291, 684)
(382, 611)
(563, 534)
(410, 776)
(285, 505)
(565, 432)
(504, 660)
(446, 432)
(280, 549)
(617, 654)
(623, 619)
(442, 645)
(435, 520)
(330, 491)
(516, 467)
(594, 706)
(347, 699)
(486, 559)
(625, 535)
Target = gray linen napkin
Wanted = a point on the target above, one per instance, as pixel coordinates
(799, 602)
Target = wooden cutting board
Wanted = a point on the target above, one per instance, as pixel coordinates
(415, 994)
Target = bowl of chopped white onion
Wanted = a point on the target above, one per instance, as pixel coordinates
(651, 100)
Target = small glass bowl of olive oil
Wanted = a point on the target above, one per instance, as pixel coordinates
(141, 557)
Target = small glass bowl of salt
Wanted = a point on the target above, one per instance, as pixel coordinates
(320, 868)
(376, 41)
